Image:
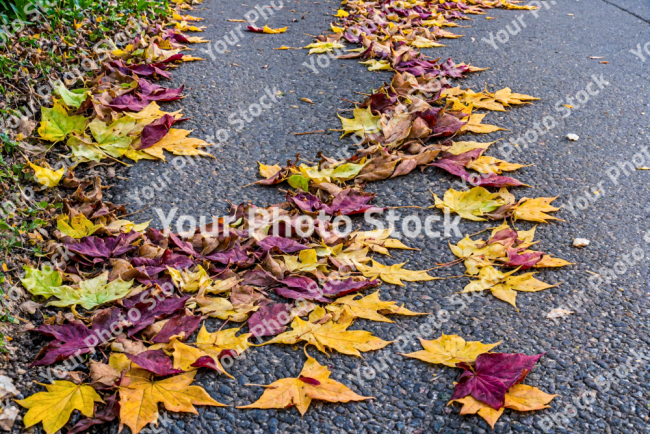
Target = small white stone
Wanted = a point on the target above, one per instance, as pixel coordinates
(558, 313)
(572, 137)
(580, 242)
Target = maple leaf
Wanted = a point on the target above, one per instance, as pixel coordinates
(534, 210)
(377, 65)
(140, 395)
(484, 164)
(266, 29)
(472, 204)
(504, 286)
(268, 172)
(330, 334)
(324, 47)
(394, 273)
(313, 382)
(368, 307)
(41, 282)
(177, 142)
(91, 293)
(46, 176)
(363, 121)
(492, 376)
(475, 125)
(378, 241)
(76, 227)
(105, 415)
(270, 319)
(520, 397)
(73, 98)
(450, 350)
(54, 407)
(113, 138)
(56, 124)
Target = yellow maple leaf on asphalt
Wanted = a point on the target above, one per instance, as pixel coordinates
(484, 164)
(458, 148)
(471, 204)
(56, 124)
(368, 307)
(550, 262)
(534, 210)
(450, 349)
(312, 383)
(323, 47)
(46, 176)
(270, 31)
(504, 286)
(394, 273)
(140, 396)
(422, 42)
(54, 407)
(377, 241)
(177, 142)
(341, 14)
(363, 121)
(520, 397)
(330, 334)
(475, 125)
(269, 171)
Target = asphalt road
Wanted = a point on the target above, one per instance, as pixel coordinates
(586, 353)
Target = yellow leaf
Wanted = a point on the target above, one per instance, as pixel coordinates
(377, 241)
(474, 125)
(324, 47)
(341, 14)
(312, 383)
(422, 42)
(177, 142)
(534, 210)
(331, 334)
(458, 148)
(504, 286)
(268, 30)
(54, 407)
(140, 395)
(520, 397)
(377, 65)
(46, 176)
(188, 58)
(485, 164)
(474, 406)
(549, 261)
(393, 274)
(363, 121)
(450, 349)
(269, 171)
(472, 204)
(369, 307)
(77, 227)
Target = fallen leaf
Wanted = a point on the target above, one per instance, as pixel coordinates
(55, 406)
(450, 350)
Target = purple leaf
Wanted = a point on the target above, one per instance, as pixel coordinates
(206, 362)
(234, 255)
(179, 323)
(309, 380)
(155, 131)
(155, 361)
(270, 320)
(254, 29)
(151, 310)
(259, 277)
(350, 202)
(338, 288)
(506, 237)
(130, 102)
(523, 260)
(492, 376)
(301, 288)
(75, 339)
(491, 180)
(154, 92)
(284, 245)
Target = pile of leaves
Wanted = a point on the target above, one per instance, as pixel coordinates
(138, 297)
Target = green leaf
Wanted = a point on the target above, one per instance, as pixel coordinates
(297, 181)
(56, 124)
(92, 293)
(41, 282)
(113, 138)
(346, 171)
(72, 98)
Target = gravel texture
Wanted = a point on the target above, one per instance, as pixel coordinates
(595, 358)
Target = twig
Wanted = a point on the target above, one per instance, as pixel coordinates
(133, 213)
(308, 132)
